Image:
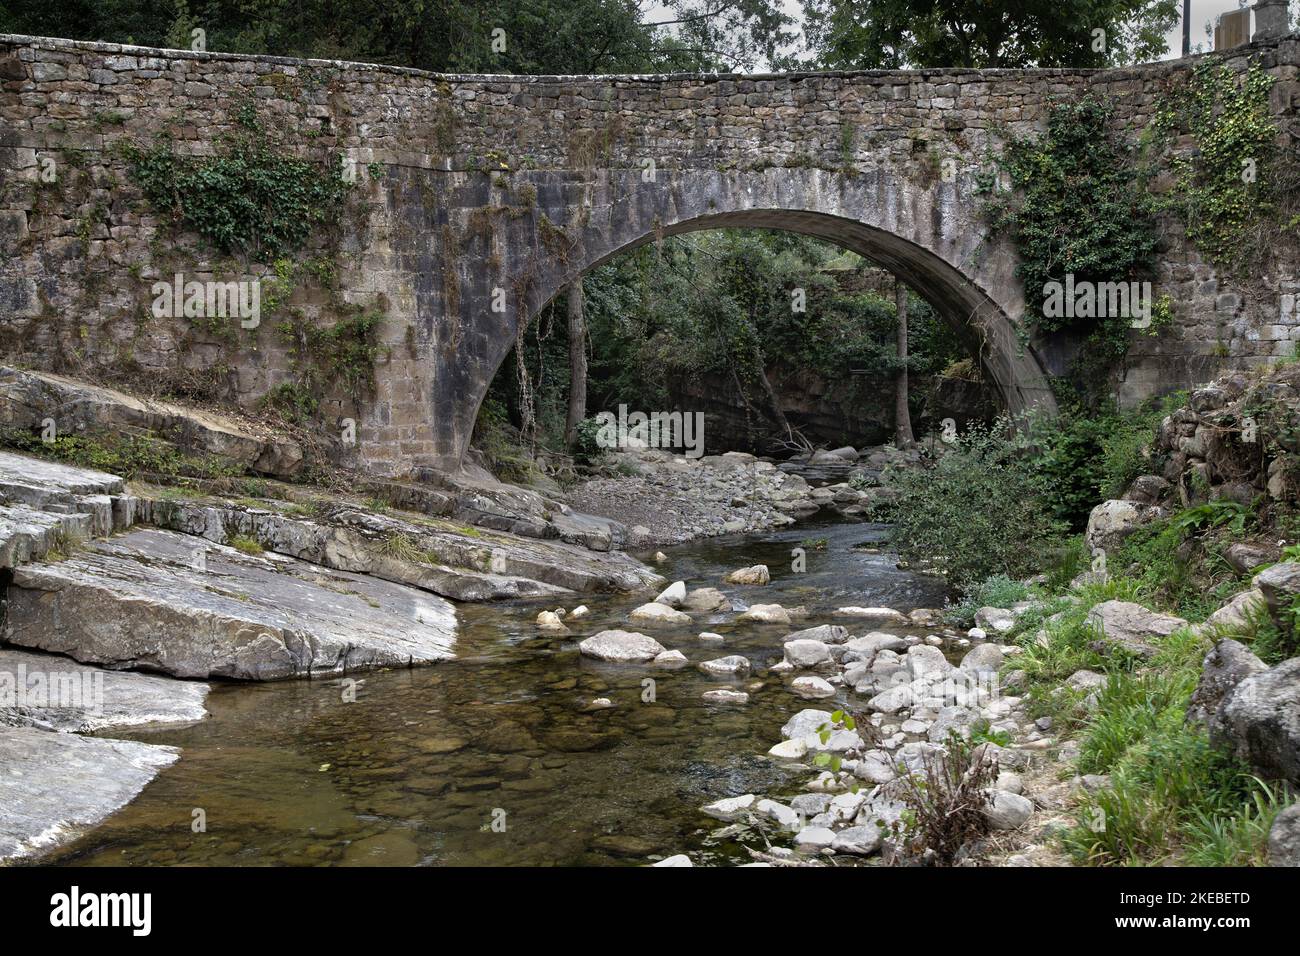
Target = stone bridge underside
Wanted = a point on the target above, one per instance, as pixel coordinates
(480, 198)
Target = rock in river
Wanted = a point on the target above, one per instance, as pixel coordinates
(656, 613)
(622, 647)
(758, 574)
(56, 785)
(147, 601)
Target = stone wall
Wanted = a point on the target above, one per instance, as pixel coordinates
(483, 191)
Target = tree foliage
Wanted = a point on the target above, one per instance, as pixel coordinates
(895, 34)
(541, 36)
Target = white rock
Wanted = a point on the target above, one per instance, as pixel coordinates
(600, 703)
(789, 749)
(621, 647)
(550, 621)
(765, 614)
(877, 615)
(978, 634)
(671, 659)
(812, 687)
(779, 813)
(860, 841)
(806, 653)
(711, 637)
(814, 838)
(580, 611)
(734, 665)
(1010, 782)
(805, 722)
(725, 696)
(673, 595)
(985, 657)
(758, 574)
(730, 809)
(681, 859)
(1007, 811)
(925, 660)
(660, 557)
(655, 613)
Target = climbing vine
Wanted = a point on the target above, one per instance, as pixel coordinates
(1230, 189)
(249, 198)
(1076, 206)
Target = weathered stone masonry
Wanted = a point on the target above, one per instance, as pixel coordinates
(502, 189)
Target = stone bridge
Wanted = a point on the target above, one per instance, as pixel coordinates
(480, 197)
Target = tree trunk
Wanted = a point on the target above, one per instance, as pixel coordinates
(577, 362)
(903, 437)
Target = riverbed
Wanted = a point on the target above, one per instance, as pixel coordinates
(496, 758)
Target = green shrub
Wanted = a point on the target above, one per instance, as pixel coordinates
(996, 591)
(978, 511)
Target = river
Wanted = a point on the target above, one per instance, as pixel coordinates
(494, 758)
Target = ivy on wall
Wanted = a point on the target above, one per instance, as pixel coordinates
(1076, 206)
(1231, 190)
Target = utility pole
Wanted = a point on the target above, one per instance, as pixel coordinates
(1187, 27)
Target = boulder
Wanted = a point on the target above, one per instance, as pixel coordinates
(826, 633)
(1226, 665)
(814, 838)
(658, 615)
(812, 687)
(55, 786)
(1245, 558)
(995, 620)
(60, 694)
(671, 659)
(733, 666)
(805, 653)
(789, 749)
(804, 723)
(758, 574)
(674, 595)
(858, 840)
(143, 601)
(1113, 521)
(622, 647)
(706, 599)
(765, 614)
(882, 616)
(1132, 627)
(1284, 838)
(1235, 614)
(681, 859)
(1259, 722)
(868, 646)
(550, 621)
(1006, 810)
(922, 659)
(983, 658)
(731, 809)
(779, 814)
(1280, 585)
(725, 696)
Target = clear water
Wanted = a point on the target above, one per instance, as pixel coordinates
(418, 768)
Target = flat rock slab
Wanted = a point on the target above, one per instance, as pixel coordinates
(27, 534)
(56, 693)
(54, 786)
(139, 602)
(27, 397)
(19, 472)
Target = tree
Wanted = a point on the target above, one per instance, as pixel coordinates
(577, 362)
(456, 36)
(894, 34)
(903, 437)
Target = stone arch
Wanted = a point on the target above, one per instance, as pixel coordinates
(929, 233)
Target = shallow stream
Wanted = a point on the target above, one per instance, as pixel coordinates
(419, 768)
